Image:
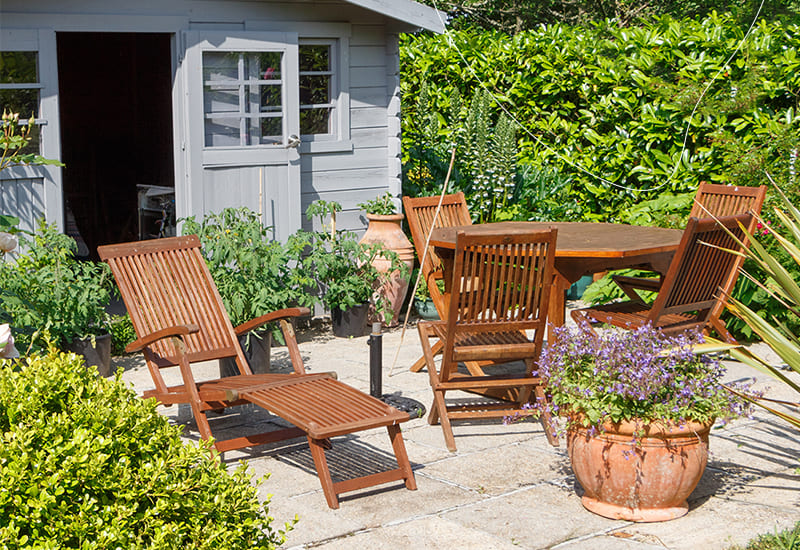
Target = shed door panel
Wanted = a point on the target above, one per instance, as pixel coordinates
(29, 86)
(243, 123)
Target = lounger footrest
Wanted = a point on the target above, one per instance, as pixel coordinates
(323, 407)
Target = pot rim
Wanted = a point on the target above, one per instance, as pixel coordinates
(657, 428)
(385, 217)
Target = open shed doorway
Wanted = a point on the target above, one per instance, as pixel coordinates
(115, 100)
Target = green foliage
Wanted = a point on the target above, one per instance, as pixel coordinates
(122, 333)
(783, 540)
(541, 194)
(48, 294)
(14, 139)
(605, 104)
(513, 16)
(342, 267)
(382, 205)
(254, 274)
(87, 464)
(783, 286)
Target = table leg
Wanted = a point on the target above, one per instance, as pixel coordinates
(556, 311)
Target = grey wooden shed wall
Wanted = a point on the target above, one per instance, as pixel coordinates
(368, 167)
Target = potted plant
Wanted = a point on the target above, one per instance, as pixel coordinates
(254, 274)
(638, 407)
(345, 272)
(385, 229)
(50, 297)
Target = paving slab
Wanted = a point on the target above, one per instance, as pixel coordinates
(505, 487)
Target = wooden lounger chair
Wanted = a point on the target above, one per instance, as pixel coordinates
(179, 319)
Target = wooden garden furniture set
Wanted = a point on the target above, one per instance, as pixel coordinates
(694, 279)
(503, 283)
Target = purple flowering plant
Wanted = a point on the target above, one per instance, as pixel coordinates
(637, 375)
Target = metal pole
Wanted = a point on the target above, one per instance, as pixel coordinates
(375, 360)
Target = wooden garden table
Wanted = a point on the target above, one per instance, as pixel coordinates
(581, 249)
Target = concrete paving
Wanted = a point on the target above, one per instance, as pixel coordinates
(506, 487)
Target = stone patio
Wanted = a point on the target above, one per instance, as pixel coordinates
(506, 487)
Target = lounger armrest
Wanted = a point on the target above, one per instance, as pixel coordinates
(253, 324)
(146, 340)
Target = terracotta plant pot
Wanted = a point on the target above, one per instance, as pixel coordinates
(645, 481)
(387, 230)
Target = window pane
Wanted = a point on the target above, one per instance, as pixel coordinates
(223, 132)
(270, 98)
(264, 66)
(18, 68)
(271, 130)
(220, 66)
(315, 121)
(315, 90)
(24, 102)
(315, 58)
(220, 99)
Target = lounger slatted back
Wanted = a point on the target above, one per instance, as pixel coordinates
(180, 319)
(692, 286)
(498, 311)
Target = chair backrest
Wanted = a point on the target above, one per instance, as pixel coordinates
(166, 282)
(713, 200)
(420, 213)
(501, 282)
(700, 272)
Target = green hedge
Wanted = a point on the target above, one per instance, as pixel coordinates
(613, 102)
(84, 463)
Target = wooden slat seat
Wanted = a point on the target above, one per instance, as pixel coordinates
(179, 319)
(699, 274)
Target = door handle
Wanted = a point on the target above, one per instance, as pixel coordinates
(292, 142)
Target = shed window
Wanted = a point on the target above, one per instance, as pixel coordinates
(19, 90)
(317, 93)
(242, 98)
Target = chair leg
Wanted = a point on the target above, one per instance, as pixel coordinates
(717, 324)
(324, 474)
(400, 454)
(436, 349)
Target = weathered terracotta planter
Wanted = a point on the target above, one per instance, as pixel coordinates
(646, 481)
(387, 230)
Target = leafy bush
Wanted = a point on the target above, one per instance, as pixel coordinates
(122, 333)
(48, 294)
(254, 274)
(607, 102)
(87, 464)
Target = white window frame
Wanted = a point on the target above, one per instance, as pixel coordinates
(338, 36)
(333, 73)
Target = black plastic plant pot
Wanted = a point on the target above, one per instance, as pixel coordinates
(350, 322)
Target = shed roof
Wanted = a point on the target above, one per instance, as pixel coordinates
(407, 11)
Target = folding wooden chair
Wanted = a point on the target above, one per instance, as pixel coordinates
(420, 214)
(716, 201)
(699, 276)
(179, 319)
(497, 312)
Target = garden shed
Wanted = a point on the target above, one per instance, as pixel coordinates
(171, 108)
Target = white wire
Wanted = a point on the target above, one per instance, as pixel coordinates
(539, 141)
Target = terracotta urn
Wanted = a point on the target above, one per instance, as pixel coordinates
(387, 229)
(645, 481)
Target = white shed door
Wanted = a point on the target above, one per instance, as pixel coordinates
(243, 126)
(29, 86)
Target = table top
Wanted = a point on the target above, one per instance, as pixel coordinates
(578, 239)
